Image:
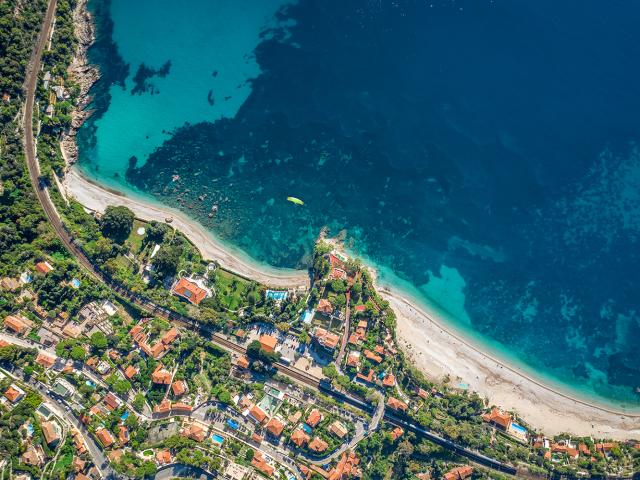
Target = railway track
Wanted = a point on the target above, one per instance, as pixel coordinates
(151, 308)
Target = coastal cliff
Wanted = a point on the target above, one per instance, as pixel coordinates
(84, 74)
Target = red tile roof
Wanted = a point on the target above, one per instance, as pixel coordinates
(389, 380)
(372, 356)
(130, 371)
(162, 377)
(12, 394)
(243, 362)
(163, 457)
(105, 437)
(318, 445)
(178, 388)
(459, 473)
(397, 404)
(259, 462)
(314, 418)
(45, 360)
(324, 306)
(275, 427)
(299, 437)
(170, 336)
(498, 418)
(44, 267)
(268, 342)
(257, 413)
(190, 291)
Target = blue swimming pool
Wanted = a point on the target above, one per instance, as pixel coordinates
(217, 439)
(276, 294)
(307, 316)
(90, 384)
(124, 416)
(518, 428)
(306, 428)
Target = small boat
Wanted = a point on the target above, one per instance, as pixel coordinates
(295, 200)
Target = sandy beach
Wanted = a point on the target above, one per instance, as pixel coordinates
(438, 351)
(97, 199)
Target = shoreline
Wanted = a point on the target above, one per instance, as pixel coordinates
(434, 346)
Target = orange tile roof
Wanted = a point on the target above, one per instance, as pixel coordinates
(365, 378)
(16, 324)
(396, 433)
(111, 401)
(105, 437)
(3, 343)
(314, 418)
(261, 465)
(584, 449)
(268, 343)
(170, 336)
(275, 427)
(45, 360)
(44, 267)
(389, 380)
(162, 377)
(360, 308)
(135, 330)
(157, 349)
(178, 388)
(257, 413)
(243, 362)
(498, 417)
(459, 473)
(183, 407)
(363, 324)
(299, 437)
(326, 339)
(123, 434)
(12, 394)
(422, 393)
(163, 457)
(353, 360)
(379, 349)
(240, 333)
(354, 339)
(163, 407)
(372, 356)
(49, 432)
(195, 432)
(190, 291)
(130, 372)
(338, 429)
(256, 438)
(318, 445)
(324, 306)
(397, 404)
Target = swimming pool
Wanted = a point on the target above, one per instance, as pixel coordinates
(307, 316)
(307, 428)
(89, 383)
(277, 294)
(519, 429)
(217, 439)
(124, 416)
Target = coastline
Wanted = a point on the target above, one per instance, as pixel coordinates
(426, 338)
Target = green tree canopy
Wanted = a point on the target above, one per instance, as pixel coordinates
(117, 223)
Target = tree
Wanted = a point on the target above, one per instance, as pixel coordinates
(98, 341)
(166, 261)
(117, 223)
(248, 456)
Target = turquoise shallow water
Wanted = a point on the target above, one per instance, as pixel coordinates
(481, 154)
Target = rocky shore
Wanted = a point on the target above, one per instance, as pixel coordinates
(84, 75)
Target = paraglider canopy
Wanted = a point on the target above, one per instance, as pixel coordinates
(295, 200)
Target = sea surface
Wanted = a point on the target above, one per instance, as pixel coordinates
(481, 153)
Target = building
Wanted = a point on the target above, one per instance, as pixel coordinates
(314, 418)
(14, 393)
(123, 435)
(324, 306)
(105, 437)
(498, 418)
(190, 291)
(369, 355)
(163, 457)
(389, 380)
(72, 330)
(275, 427)
(194, 432)
(396, 433)
(259, 463)
(318, 445)
(33, 456)
(130, 372)
(257, 414)
(338, 429)
(9, 284)
(18, 324)
(299, 438)
(268, 343)
(396, 404)
(111, 401)
(44, 267)
(243, 362)
(325, 338)
(459, 473)
(169, 337)
(179, 388)
(161, 376)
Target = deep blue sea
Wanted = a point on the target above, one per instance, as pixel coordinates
(483, 151)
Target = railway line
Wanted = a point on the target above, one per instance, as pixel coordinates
(148, 306)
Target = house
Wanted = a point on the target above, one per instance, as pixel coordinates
(130, 372)
(369, 355)
(194, 432)
(257, 414)
(105, 437)
(268, 343)
(338, 274)
(324, 306)
(189, 290)
(9, 284)
(14, 393)
(163, 407)
(72, 330)
(367, 379)
(18, 324)
(389, 380)
(161, 377)
(45, 360)
(259, 463)
(123, 435)
(111, 401)
(353, 359)
(338, 429)
(295, 418)
(78, 464)
(396, 433)
(180, 408)
(169, 337)
(459, 473)
(359, 308)
(163, 457)
(256, 438)
(44, 267)
(325, 338)
(275, 427)
(498, 418)
(346, 467)
(33, 456)
(179, 388)
(396, 404)
(299, 438)
(318, 445)
(240, 334)
(314, 418)
(243, 362)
